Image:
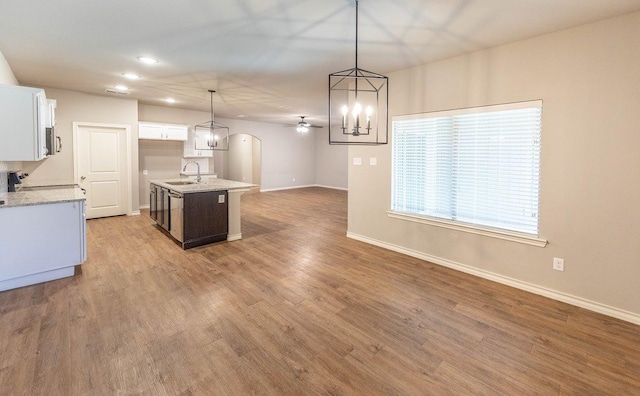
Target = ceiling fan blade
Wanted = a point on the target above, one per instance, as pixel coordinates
(301, 123)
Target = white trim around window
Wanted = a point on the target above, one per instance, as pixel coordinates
(470, 228)
(475, 169)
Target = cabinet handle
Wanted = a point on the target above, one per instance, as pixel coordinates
(59, 148)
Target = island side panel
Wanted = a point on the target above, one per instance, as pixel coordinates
(205, 218)
(235, 231)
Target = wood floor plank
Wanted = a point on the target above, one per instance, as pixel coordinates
(293, 308)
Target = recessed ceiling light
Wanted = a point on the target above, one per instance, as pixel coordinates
(147, 60)
(241, 116)
(121, 88)
(170, 100)
(131, 76)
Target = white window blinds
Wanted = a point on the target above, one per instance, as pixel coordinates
(479, 165)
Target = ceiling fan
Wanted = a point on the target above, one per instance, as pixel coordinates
(303, 126)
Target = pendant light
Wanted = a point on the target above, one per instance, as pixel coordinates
(211, 135)
(358, 108)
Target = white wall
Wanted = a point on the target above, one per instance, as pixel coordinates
(6, 74)
(76, 106)
(6, 77)
(243, 160)
(286, 154)
(589, 79)
(331, 161)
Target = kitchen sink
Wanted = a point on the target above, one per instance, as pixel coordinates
(180, 183)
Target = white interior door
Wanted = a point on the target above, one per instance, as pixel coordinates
(102, 169)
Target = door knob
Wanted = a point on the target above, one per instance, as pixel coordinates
(82, 177)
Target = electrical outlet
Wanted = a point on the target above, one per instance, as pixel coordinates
(145, 172)
(558, 264)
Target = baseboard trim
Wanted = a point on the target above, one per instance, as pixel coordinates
(535, 289)
(234, 237)
(144, 206)
(286, 188)
(332, 187)
(134, 213)
(306, 186)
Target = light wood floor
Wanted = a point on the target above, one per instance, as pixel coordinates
(295, 308)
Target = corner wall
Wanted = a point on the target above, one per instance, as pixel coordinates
(6, 77)
(80, 107)
(331, 161)
(588, 80)
(6, 74)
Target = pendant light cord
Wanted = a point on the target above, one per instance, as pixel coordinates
(356, 81)
(211, 93)
(356, 34)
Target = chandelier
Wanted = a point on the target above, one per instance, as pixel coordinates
(211, 135)
(358, 108)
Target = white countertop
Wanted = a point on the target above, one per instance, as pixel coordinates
(207, 184)
(42, 195)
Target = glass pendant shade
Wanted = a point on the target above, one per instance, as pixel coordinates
(211, 135)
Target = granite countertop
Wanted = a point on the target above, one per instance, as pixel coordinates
(207, 184)
(39, 195)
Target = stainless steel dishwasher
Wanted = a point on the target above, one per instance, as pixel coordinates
(176, 224)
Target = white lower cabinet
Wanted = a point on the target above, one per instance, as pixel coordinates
(41, 242)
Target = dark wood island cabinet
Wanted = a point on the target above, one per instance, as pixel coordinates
(205, 218)
(197, 213)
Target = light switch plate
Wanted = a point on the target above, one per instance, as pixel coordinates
(373, 161)
(357, 161)
(220, 199)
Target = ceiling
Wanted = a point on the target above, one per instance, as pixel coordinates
(268, 60)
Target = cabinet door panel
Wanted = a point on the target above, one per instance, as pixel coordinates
(206, 215)
(178, 132)
(150, 131)
(196, 144)
(42, 238)
(22, 123)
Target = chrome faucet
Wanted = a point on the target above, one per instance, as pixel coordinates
(199, 178)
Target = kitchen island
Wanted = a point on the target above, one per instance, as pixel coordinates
(197, 213)
(43, 234)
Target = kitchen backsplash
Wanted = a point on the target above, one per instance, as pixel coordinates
(4, 167)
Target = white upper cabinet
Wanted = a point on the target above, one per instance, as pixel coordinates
(50, 121)
(23, 114)
(177, 132)
(155, 131)
(193, 146)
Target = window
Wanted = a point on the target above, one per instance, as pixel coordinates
(477, 166)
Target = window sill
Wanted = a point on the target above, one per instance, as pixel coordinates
(493, 233)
